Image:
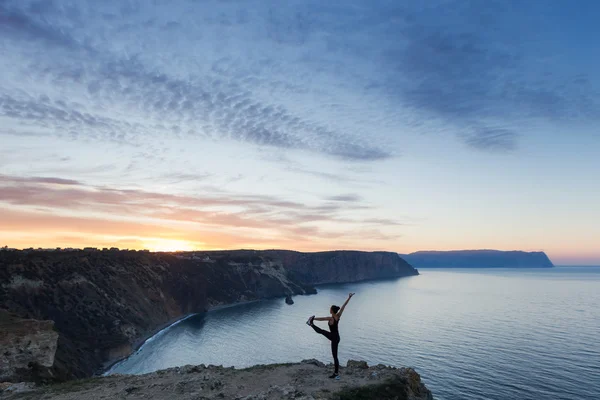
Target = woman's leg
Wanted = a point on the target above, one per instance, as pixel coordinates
(321, 331)
(334, 353)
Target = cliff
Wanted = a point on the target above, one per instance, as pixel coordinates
(342, 266)
(102, 303)
(28, 347)
(306, 380)
(478, 259)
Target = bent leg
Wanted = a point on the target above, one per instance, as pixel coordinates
(334, 353)
(321, 331)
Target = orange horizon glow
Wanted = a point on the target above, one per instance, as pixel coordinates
(51, 213)
(157, 245)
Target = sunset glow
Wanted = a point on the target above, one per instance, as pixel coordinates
(223, 125)
(169, 245)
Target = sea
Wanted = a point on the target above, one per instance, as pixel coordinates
(472, 334)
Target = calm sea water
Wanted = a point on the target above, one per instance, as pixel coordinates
(471, 334)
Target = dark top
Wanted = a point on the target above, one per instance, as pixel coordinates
(333, 328)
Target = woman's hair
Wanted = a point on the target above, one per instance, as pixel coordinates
(335, 309)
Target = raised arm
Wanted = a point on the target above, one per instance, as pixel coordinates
(339, 313)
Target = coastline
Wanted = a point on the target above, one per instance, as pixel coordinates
(142, 340)
(139, 343)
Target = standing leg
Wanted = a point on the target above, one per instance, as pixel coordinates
(334, 352)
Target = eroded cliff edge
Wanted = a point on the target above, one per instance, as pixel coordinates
(101, 303)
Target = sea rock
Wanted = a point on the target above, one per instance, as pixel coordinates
(289, 300)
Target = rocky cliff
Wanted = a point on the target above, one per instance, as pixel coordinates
(343, 266)
(102, 303)
(478, 259)
(27, 347)
(302, 381)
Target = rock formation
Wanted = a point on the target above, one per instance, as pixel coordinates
(306, 380)
(342, 266)
(478, 259)
(103, 303)
(27, 347)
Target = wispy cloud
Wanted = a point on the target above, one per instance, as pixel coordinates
(476, 67)
(221, 103)
(52, 197)
(351, 198)
(492, 139)
(467, 69)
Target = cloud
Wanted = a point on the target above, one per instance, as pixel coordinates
(17, 21)
(52, 197)
(11, 180)
(343, 81)
(493, 139)
(476, 66)
(218, 104)
(345, 198)
(178, 177)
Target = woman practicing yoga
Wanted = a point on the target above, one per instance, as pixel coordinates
(334, 334)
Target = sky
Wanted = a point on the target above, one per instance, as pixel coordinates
(308, 125)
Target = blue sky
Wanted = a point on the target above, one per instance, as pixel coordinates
(301, 124)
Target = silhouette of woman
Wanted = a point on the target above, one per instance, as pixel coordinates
(334, 334)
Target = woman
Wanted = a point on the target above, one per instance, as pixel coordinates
(334, 334)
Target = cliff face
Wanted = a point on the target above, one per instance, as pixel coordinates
(27, 347)
(302, 381)
(103, 302)
(478, 259)
(343, 266)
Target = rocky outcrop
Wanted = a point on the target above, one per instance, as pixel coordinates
(306, 380)
(103, 303)
(343, 266)
(478, 259)
(27, 347)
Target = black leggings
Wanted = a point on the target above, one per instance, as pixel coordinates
(335, 341)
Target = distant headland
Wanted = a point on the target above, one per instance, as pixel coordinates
(478, 259)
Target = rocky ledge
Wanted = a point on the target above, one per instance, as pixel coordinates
(305, 380)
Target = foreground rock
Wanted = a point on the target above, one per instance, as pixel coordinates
(305, 380)
(104, 303)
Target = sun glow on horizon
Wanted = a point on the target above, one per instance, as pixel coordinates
(170, 245)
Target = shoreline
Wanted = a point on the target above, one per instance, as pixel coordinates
(139, 343)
